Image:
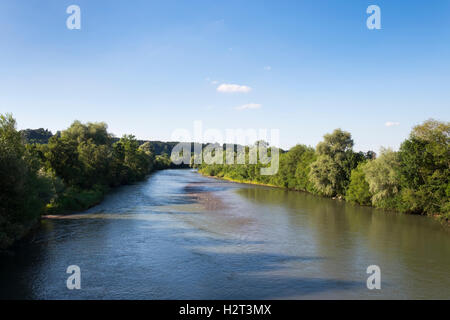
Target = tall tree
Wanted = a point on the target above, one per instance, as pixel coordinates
(424, 173)
(382, 175)
(330, 173)
(20, 204)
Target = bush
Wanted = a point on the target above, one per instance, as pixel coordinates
(358, 189)
(76, 199)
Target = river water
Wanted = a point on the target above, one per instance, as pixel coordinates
(179, 235)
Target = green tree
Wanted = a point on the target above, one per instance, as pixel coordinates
(288, 166)
(330, 172)
(303, 169)
(62, 156)
(358, 190)
(424, 171)
(382, 175)
(20, 202)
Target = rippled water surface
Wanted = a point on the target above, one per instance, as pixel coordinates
(179, 235)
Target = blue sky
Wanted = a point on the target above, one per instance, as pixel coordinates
(150, 67)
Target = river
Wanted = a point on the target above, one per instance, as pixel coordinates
(179, 235)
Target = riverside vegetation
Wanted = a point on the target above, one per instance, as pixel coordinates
(414, 179)
(42, 173)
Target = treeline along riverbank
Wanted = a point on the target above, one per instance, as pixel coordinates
(414, 179)
(42, 173)
(72, 170)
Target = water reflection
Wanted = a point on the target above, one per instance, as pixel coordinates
(413, 251)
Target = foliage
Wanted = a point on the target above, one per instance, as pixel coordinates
(424, 173)
(290, 175)
(72, 172)
(330, 173)
(358, 190)
(21, 184)
(40, 136)
(413, 180)
(382, 177)
(77, 166)
(303, 170)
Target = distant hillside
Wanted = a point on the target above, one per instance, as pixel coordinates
(157, 147)
(40, 136)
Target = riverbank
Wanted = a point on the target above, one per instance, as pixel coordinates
(244, 181)
(67, 206)
(439, 217)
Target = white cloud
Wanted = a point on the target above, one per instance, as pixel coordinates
(233, 88)
(249, 106)
(391, 124)
(267, 68)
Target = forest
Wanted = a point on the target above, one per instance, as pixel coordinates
(414, 179)
(42, 173)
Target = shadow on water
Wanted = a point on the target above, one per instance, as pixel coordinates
(160, 263)
(338, 219)
(413, 251)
